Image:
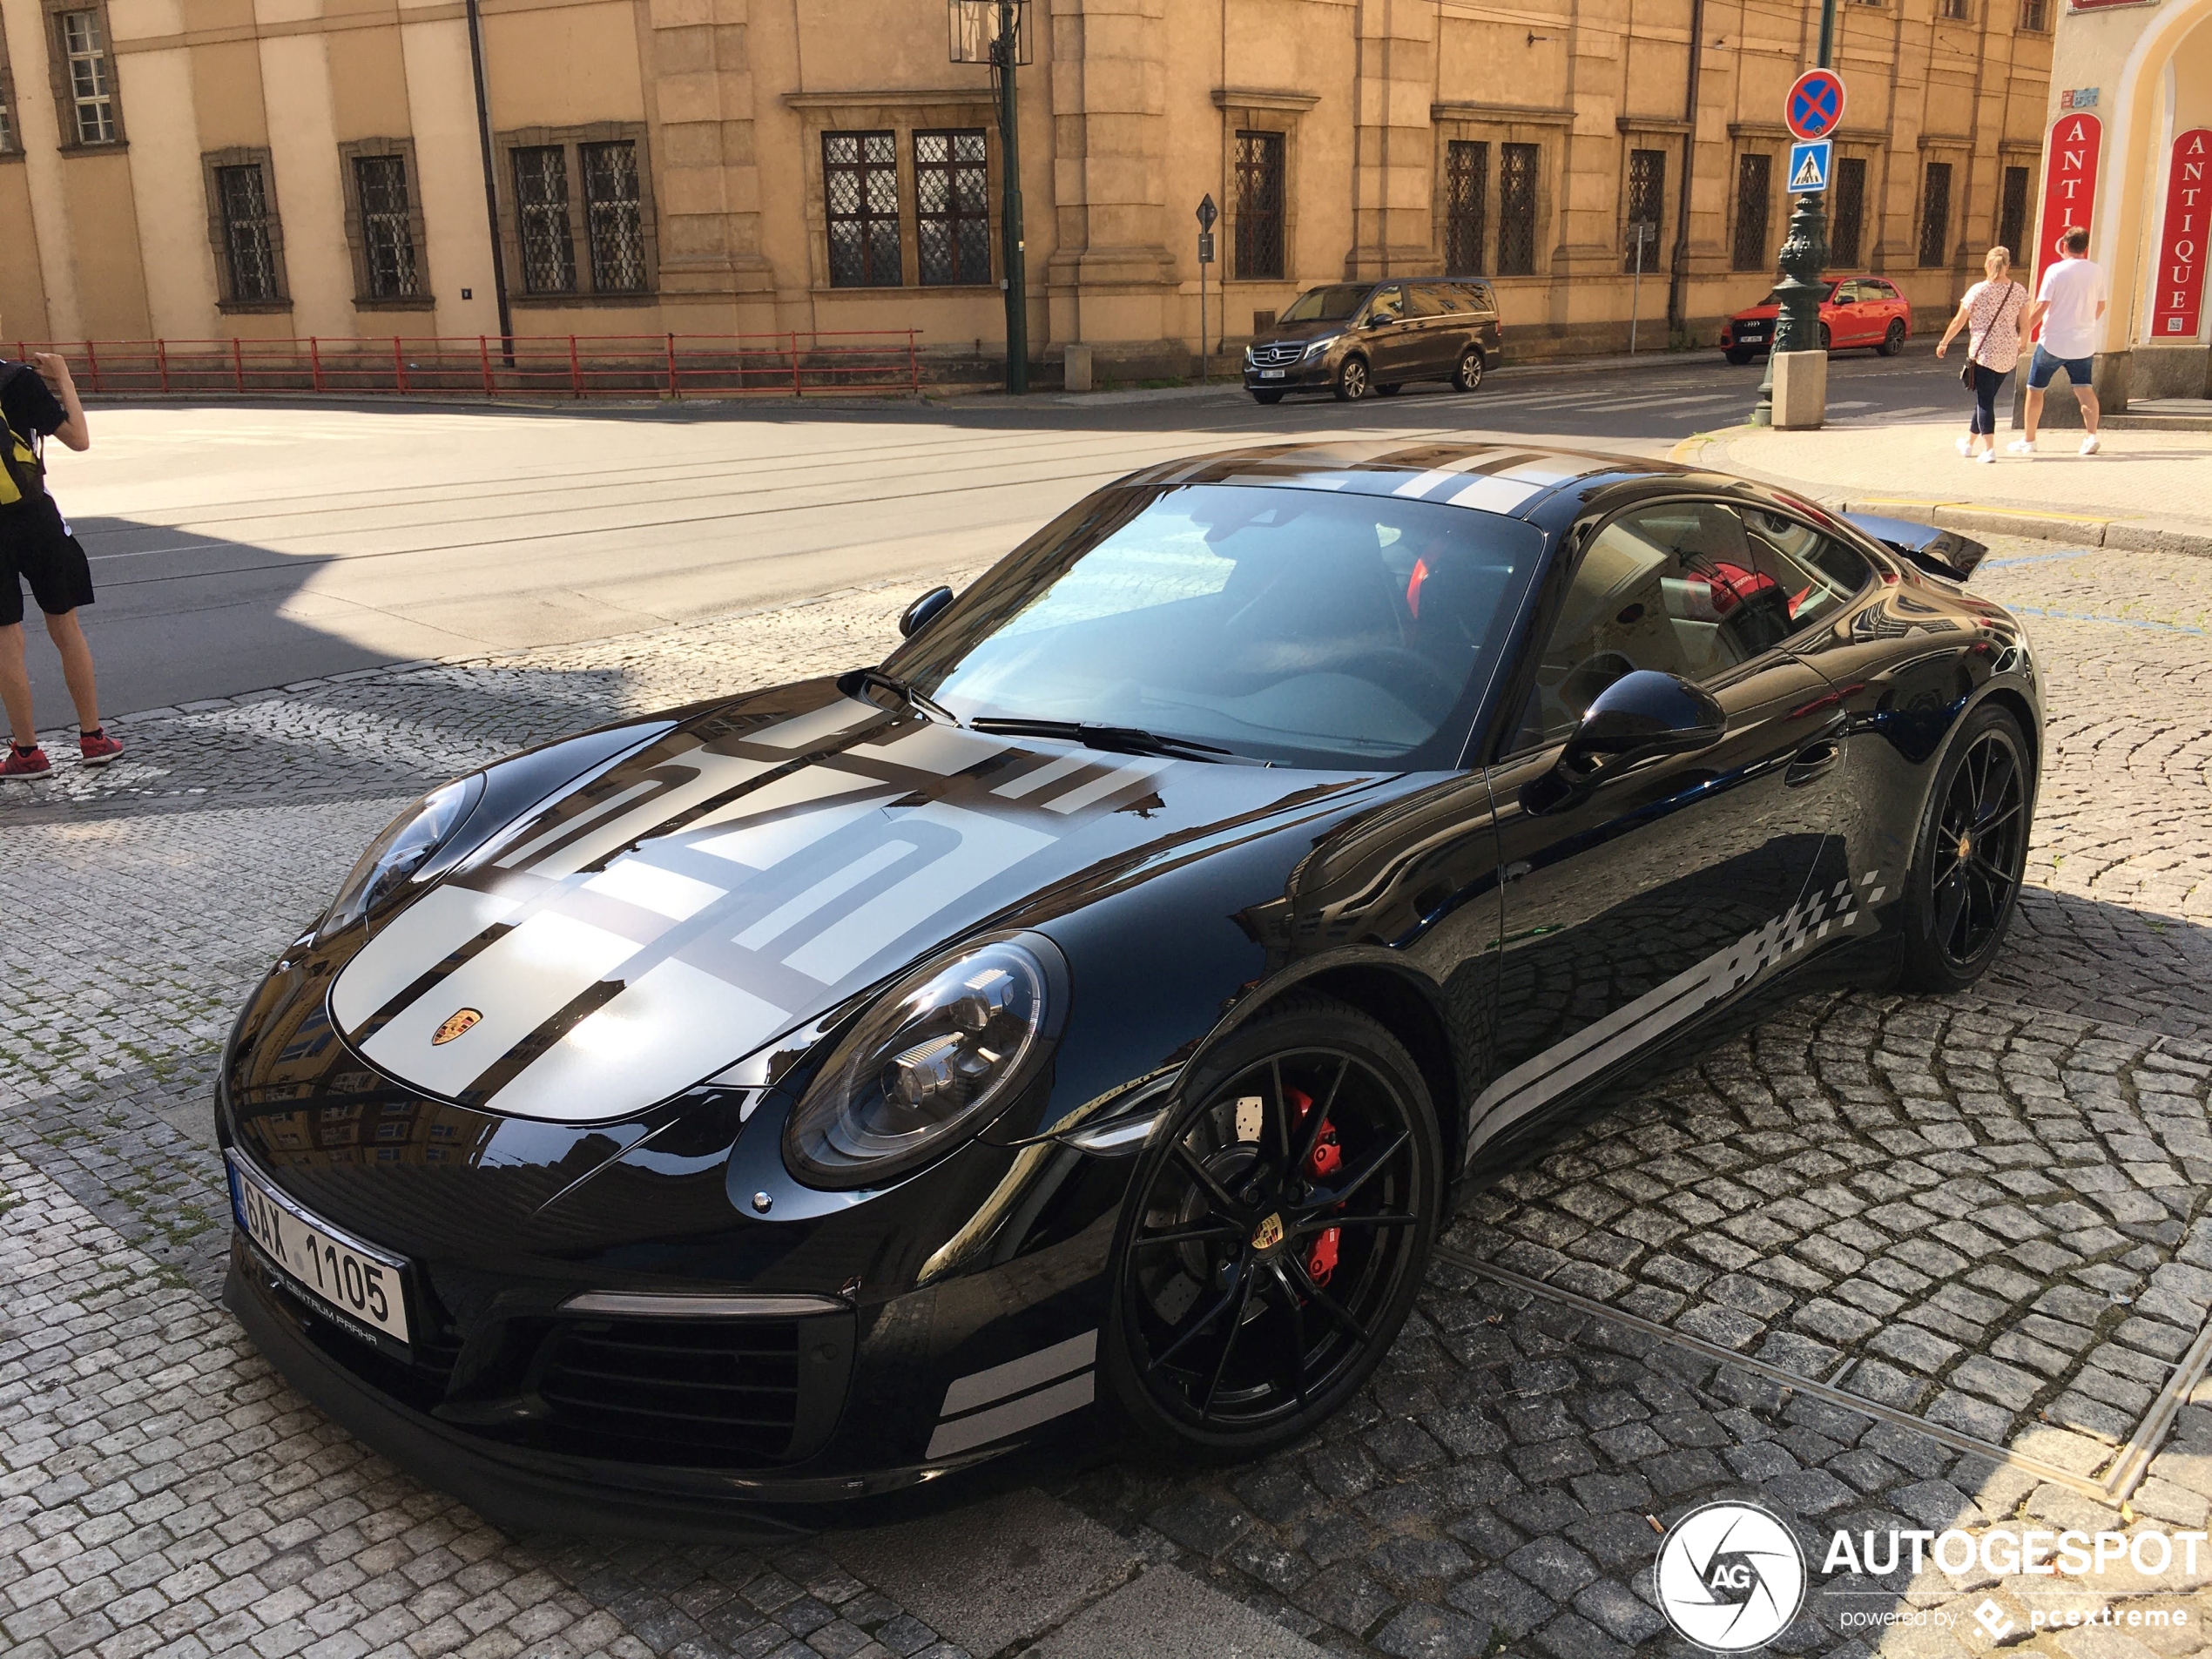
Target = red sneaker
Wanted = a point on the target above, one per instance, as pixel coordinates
(22, 765)
(97, 748)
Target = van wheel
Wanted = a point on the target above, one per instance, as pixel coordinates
(1352, 380)
(1468, 374)
(1387, 388)
(1267, 397)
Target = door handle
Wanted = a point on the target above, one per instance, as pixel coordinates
(1813, 761)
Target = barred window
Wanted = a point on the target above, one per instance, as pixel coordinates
(1935, 212)
(1754, 179)
(387, 230)
(1954, 11)
(1849, 212)
(2012, 213)
(242, 200)
(542, 208)
(1466, 204)
(7, 106)
(2035, 15)
(91, 92)
(1517, 164)
(1258, 163)
(613, 217)
(1646, 207)
(860, 180)
(953, 206)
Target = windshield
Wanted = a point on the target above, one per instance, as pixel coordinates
(1332, 304)
(1300, 626)
(1774, 296)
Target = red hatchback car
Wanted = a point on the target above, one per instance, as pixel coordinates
(1856, 311)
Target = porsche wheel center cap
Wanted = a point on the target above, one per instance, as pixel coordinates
(1268, 1234)
(1966, 847)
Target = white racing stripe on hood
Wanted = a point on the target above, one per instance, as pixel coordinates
(1098, 788)
(989, 847)
(650, 887)
(936, 749)
(408, 946)
(518, 982)
(1051, 773)
(667, 1029)
(831, 886)
(793, 789)
(827, 721)
(713, 775)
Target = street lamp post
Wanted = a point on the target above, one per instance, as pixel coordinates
(1805, 256)
(995, 32)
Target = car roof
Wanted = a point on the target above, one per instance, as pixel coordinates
(1511, 479)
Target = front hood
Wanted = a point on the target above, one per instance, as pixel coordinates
(1289, 331)
(752, 867)
(1758, 314)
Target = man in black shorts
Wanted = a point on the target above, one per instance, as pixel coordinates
(38, 401)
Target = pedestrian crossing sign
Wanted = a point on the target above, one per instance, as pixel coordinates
(1809, 166)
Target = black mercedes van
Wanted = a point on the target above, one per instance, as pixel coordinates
(1353, 337)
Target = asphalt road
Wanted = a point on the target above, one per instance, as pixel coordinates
(241, 546)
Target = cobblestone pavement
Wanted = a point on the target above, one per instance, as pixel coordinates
(1876, 1262)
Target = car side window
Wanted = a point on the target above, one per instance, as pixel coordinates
(1425, 300)
(1388, 305)
(1850, 292)
(1673, 587)
(1485, 297)
(1819, 574)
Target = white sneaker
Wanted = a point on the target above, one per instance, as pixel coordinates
(2089, 445)
(1964, 446)
(2019, 447)
(1987, 457)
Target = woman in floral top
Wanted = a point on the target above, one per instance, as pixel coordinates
(1993, 312)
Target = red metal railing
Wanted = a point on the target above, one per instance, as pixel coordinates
(795, 364)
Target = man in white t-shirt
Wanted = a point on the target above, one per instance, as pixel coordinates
(2067, 307)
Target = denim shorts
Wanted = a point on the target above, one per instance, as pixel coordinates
(2045, 366)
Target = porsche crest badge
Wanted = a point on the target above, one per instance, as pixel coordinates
(459, 1020)
(1268, 1234)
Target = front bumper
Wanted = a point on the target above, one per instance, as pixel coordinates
(1312, 373)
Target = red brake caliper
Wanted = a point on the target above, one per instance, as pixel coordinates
(1326, 1159)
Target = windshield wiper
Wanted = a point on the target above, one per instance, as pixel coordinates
(906, 693)
(1115, 739)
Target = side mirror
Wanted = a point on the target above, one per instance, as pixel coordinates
(923, 612)
(1642, 714)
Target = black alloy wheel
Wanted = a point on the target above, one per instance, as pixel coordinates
(1973, 851)
(1273, 1241)
(1468, 374)
(1893, 340)
(1267, 397)
(1351, 380)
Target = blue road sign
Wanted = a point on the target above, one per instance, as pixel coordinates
(1809, 166)
(1814, 108)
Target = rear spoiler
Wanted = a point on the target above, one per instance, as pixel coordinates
(1943, 553)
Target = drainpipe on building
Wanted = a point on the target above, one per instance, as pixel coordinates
(1678, 278)
(491, 193)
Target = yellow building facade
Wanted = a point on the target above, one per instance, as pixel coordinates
(2131, 121)
(259, 169)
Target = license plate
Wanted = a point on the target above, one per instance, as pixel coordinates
(363, 1283)
(1271, 374)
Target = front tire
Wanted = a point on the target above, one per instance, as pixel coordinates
(1824, 336)
(1275, 1234)
(1267, 397)
(1738, 358)
(1893, 342)
(1468, 375)
(1970, 854)
(1352, 380)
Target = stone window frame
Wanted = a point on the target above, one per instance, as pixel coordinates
(1747, 141)
(58, 72)
(1956, 151)
(902, 114)
(218, 243)
(1499, 125)
(571, 140)
(423, 299)
(1665, 135)
(1251, 110)
(10, 108)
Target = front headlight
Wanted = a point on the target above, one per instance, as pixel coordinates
(395, 857)
(927, 1065)
(1322, 345)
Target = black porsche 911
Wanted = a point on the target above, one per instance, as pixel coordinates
(1093, 1011)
